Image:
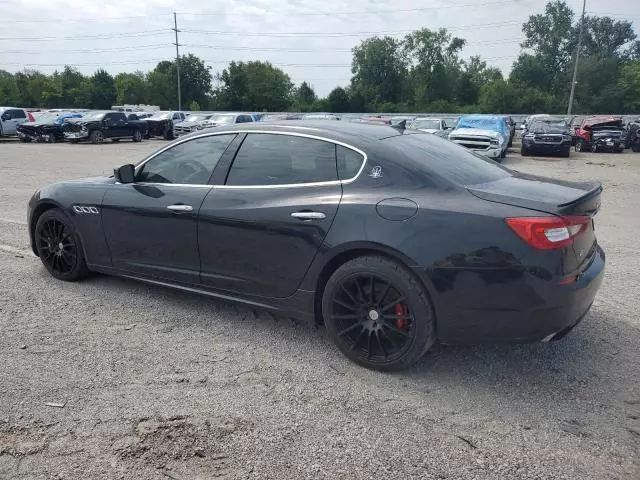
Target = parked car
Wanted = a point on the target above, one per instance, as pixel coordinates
(219, 119)
(437, 126)
(395, 239)
(195, 121)
(10, 118)
(546, 135)
(321, 116)
(632, 137)
(46, 128)
(484, 134)
(511, 125)
(163, 123)
(141, 119)
(600, 134)
(274, 117)
(99, 126)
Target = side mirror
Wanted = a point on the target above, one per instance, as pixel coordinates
(6, 116)
(125, 173)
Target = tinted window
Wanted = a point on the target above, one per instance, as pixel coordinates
(18, 114)
(451, 161)
(190, 162)
(265, 159)
(176, 116)
(349, 162)
(243, 119)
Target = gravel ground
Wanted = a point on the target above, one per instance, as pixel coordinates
(148, 383)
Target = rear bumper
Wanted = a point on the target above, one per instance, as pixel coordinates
(516, 307)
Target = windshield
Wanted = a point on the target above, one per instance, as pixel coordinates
(95, 116)
(427, 123)
(449, 160)
(476, 122)
(548, 126)
(223, 118)
(160, 116)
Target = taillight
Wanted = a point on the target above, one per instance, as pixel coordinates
(30, 117)
(548, 233)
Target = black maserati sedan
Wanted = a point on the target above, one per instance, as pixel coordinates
(393, 239)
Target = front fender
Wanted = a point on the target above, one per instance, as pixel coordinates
(70, 198)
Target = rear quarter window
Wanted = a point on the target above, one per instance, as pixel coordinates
(449, 160)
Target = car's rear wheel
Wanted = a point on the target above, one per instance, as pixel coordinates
(594, 148)
(168, 134)
(524, 151)
(566, 152)
(97, 136)
(58, 246)
(580, 145)
(378, 314)
(137, 136)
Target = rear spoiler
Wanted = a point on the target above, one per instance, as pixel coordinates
(587, 204)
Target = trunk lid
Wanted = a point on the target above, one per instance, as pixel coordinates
(554, 197)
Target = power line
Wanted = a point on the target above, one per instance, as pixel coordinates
(89, 19)
(103, 36)
(342, 34)
(92, 50)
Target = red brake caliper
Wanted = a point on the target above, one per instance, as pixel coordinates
(401, 312)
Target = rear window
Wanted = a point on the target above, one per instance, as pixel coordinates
(449, 160)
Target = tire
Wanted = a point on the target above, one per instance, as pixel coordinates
(25, 140)
(137, 136)
(74, 141)
(115, 139)
(59, 247)
(97, 136)
(356, 322)
(566, 153)
(594, 148)
(580, 145)
(635, 148)
(168, 134)
(524, 152)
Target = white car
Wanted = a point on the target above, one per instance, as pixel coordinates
(10, 118)
(486, 142)
(430, 125)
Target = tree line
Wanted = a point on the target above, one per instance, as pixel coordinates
(422, 72)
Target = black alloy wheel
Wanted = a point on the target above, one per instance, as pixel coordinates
(58, 246)
(97, 136)
(378, 314)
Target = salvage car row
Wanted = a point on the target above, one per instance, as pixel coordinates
(488, 135)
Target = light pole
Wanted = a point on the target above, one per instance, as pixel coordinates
(575, 67)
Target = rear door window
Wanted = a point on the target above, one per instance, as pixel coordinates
(449, 160)
(17, 113)
(269, 159)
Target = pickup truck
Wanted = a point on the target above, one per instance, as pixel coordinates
(487, 135)
(10, 118)
(98, 126)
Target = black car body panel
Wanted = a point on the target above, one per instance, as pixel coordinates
(37, 131)
(406, 203)
(607, 139)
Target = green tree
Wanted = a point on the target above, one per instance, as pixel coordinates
(379, 70)
(131, 88)
(435, 65)
(629, 86)
(101, 90)
(304, 94)
(254, 86)
(339, 101)
(9, 93)
(498, 97)
(194, 106)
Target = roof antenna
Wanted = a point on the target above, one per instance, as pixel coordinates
(401, 126)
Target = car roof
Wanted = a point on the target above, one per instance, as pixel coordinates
(356, 134)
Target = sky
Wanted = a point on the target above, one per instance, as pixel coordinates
(311, 40)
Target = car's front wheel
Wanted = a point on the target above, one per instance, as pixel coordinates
(58, 246)
(378, 314)
(580, 145)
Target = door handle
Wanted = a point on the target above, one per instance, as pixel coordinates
(309, 215)
(180, 208)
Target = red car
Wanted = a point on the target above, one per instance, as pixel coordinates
(600, 133)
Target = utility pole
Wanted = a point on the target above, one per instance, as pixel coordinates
(575, 67)
(175, 29)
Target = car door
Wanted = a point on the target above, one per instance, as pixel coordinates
(151, 225)
(260, 230)
(11, 118)
(110, 126)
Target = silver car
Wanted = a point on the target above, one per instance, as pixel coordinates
(10, 118)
